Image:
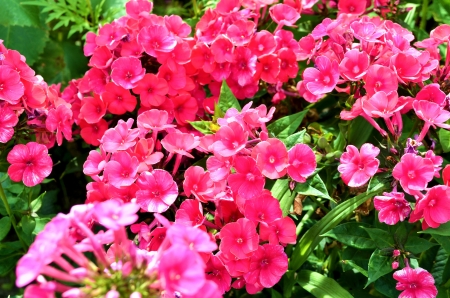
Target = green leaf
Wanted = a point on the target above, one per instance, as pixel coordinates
(358, 268)
(443, 230)
(286, 126)
(352, 234)
(296, 138)
(36, 204)
(379, 265)
(443, 241)
(321, 286)
(314, 186)
(5, 226)
(386, 286)
(13, 13)
(202, 126)
(312, 237)
(227, 100)
(29, 41)
(281, 191)
(380, 237)
(275, 294)
(417, 245)
(7, 263)
(444, 139)
(28, 224)
(359, 131)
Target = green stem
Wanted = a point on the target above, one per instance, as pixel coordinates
(195, 7)
(91, 12)
(11, 216)
(321, 206)
(304, 219)
(423, 14)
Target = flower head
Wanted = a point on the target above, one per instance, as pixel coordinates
(415, 283)
(356, 167)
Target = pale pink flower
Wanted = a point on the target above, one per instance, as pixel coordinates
(302, 162)
(323, 78)
(414, 172)
(157, 191)
(415, 283)
(356, 167)
(434, 207)
(271, 158)
(8, 119)
(392, 207)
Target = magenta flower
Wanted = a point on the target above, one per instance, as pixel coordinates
(120, 137)
(92, 109)
(11, 88)
(354, 65)
(302, 162)
(127, 72)
(241, 31)
(262, 43)
(198, 184)
(114, 214)
(433, 115)
(284, 15)
(191, 237)
(30, 163)
(271, 158)
(157, 191)
(230, 139)
(152, 90)
(415, 283)
(356, 167)
(122, 169)
(392, 206)
(60, 119)
(244, 66)
(190, 213)
(280, 231)
(180, 143)
(414, 172)
(8, 119)
(219, 167)
(434, 208)
(118, 100)
(380, 78)
(217, 272)
(264, 209)
(323, 78)
(352, 6)
(156, 39)
(239, 238)
(248, 181)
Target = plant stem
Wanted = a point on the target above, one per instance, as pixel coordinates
(423, 14)
(304, 219)
(195, 7)
(321, 206)
(11, 216)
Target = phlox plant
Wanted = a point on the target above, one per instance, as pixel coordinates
(237, 156)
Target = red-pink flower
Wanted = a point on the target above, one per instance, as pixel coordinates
(114, 214)
(60, 119)
(354, 65)
(110, 36)
(244, 66)
(152, 90)
(216, 271)
(156, 39)
(271, 158)
(198, 183)
(222, 49)
(414, 172)
(120, 137)
(267, 265)
(392, 207)
(157, 191)
(264, 208)
(219, 167)
(415, 283)
(92, 109)
(8, 119)
(122, 169)
(180, 143)
(302, 162)
(268, 68)
(434, 207)
(230, 139)
(190, 213)
(135, 7)
(248, 181)
(11, 88)
(92, 133)
(118, 100)
(241, 31)
(380, 78)
(30, 163)
(127, 72)
(352, 6)
(433, 115)
(239, 238)
(280, 231)
(284, 15)
(356, 167)
(323, 78)
(185, 108)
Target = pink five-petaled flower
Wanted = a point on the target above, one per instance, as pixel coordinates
(239, 238)
(280, 231)
(380, 78)
(8, 119)
(248, 181)
(11, 88)
(127, 72)
(152, 90)
(122, 169)
(414, 172)
(354, 65)
(198, 183)
(352, 6)
(271, 158)
(392, 206)
(415, 283)
(323, 78)
(60, 119)
(267, 265)
(157, 191)
(114, 214)
(264, 208)
(30, 163)
(433, 115)
(156, 39)
(191, 237)
(230, 139)
(120, 137)
(302, 162)
(118, 99)
(356, 167)
(284, 15)
(180, 143)
(434, 208)
(92, 109)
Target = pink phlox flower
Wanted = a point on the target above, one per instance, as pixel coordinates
(415, 283)
(367, 31)
(302, 162)
(153, 120)
(176, 25)
(284, 15)
(97, 191)
(191, 237)
(152, 90)
(125, 194)
(143, 151)
(157, 237)
(60, 119)
(357, 167)
(176, 79)
(8, 119)
(235, 266)
(288, 65)
(323, 78)
(280, 231)
(262, 43)
(308, 96)
(233, 115)
(264, 209)
(406, 67)
(155, 39)
(180, 270)
(354, 65)
(433, 115)
(414, 172)
(190, 213)
(267, 265)
(120, 137)
(434, 207)
(135, 7)
(185, 108)
(118, 100)
(216, 271)
(180, 55)
(258, 117)
(127, 72)
(241, 31)
(18, 63)
(352, 6)
(90, 45)
(110, 36)
(198, 183)
(433, 93)
(380, 78)
(30, 163)
(101, 58)
(222, 49)
(93, 132)
(96, 79)
(157, 191)
(230, 139)
(92, 109)
(239, 238)
(143, 232)
(437, 161)
(247, 181)
(308, 48)
(219, 167)
(271, 158)
(243, 91)
(268, 68)
(131, 48)
(180, 143)
(122, 169)
(244, 66)
(441, 33)
(114, 214)
(392, 207)
(203, 58)
(226, 7)
(285, 40)
(12, 88)
(95, 162)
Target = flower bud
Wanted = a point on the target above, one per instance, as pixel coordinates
(394, 265)
(322, 143)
